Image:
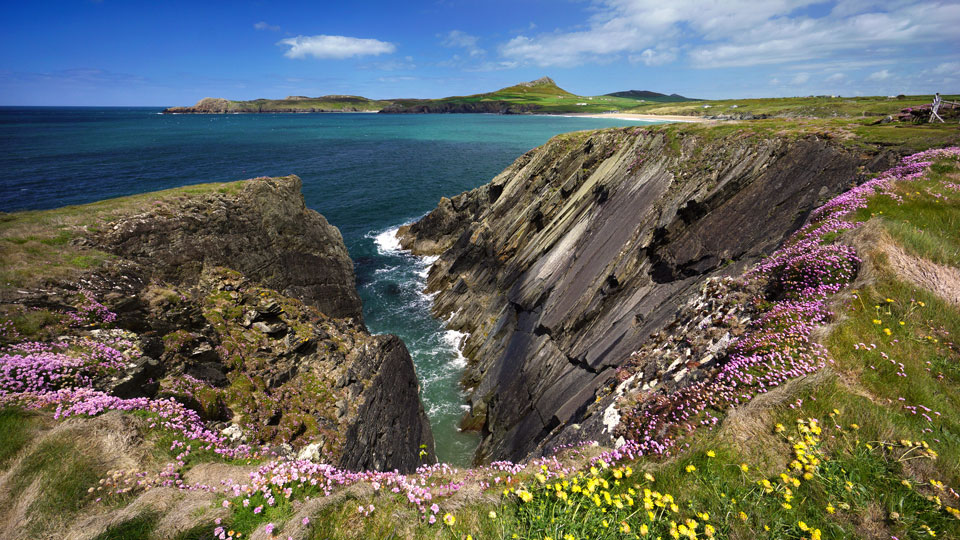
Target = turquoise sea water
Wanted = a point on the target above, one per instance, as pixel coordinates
(367, 173)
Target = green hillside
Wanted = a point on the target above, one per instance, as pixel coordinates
(541, 96)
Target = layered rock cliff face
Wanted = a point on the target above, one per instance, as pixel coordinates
(241, 304)
(567, 262)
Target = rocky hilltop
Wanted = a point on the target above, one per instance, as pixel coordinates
(566, 263)
(236, 301)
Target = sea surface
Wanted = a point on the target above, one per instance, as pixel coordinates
(367, 173)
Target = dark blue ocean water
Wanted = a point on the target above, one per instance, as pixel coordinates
(367, 173)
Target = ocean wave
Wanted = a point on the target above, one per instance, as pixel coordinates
(387, 242)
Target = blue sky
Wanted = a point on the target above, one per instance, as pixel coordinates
(113, 52)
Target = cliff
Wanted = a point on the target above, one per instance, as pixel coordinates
(566, 263)
(236, 301)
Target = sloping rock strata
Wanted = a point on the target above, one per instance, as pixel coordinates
(564, 265)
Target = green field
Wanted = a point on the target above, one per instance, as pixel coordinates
(813, 106)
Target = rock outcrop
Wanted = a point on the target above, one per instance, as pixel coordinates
(260, 228)
(240, 303)
(565, 264)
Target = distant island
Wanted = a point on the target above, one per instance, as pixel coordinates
(541, 96)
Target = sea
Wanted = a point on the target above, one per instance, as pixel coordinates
(367, 173)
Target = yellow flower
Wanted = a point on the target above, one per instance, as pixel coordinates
(743, 515)
(624, 527)
(887, 331)
(815, 535)
(690, 468)
(524, 495)
(648, 477)
(744, 467)
(711, 453)
(877, 321)
(492, 515)
(644, 530)
(830, 508)
(449, 519)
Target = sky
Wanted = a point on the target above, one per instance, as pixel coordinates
(130, 52)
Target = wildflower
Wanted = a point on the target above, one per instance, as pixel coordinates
(744, 467)
(259, 509)
(624, 527)
(830, 508)
(877, 321)
(690, 468)
(449, 519)
(492, 515)
(305, 521)
(711, 454)
(648, 477)
(742, 515)
(887, 331)
(268, 529)
(644, 530)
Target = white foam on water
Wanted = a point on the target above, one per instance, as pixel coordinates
(454, 340)
(387, 242)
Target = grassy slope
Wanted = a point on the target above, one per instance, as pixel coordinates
(819, 107)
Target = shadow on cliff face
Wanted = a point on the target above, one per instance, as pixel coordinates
(571, 258)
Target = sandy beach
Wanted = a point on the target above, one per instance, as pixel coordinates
(645, 117)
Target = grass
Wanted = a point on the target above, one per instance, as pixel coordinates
(137, 528)
(812, 106)
(926, 224)
(16, 431)
(63, 473)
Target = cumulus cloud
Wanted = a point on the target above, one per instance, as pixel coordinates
(263, 25)
(800, 78)
(334, 47)
(739, 32)
(836, 77)
(458, 39)
(881, 75)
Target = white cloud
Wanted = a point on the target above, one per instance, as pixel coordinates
(456, 38)
(263, 25)
(836, 77)
(800, 78)
(335, 47)
(947, 68)
(881, 75)
(741, 32)
(652, 57)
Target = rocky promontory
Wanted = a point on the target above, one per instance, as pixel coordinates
(565, 264)
(236, 301)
